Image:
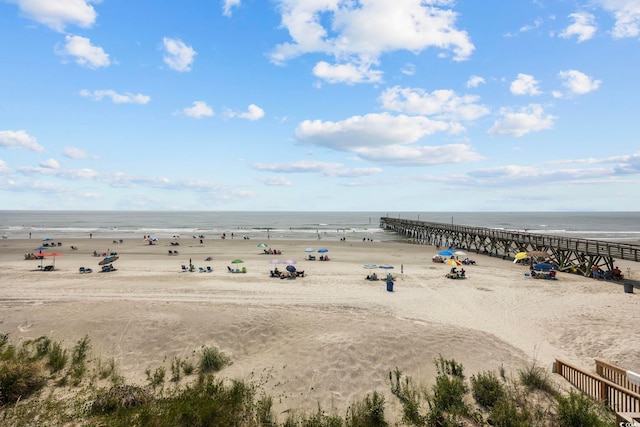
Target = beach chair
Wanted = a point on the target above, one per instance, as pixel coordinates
(184, 267)
(209, 269)
(229, 269)
(201, 270)
(88, 270)
(82, 270)
(48, 268)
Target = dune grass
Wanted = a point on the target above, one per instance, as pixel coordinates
(42, 383)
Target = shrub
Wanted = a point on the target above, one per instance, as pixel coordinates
(487, 389)
(578, 410)
(19, 379)
(536, 378)
(368, 413)
(156, 378)
(409, 397)
(120, 397)
(212, 360)
(504, 413)
(56, 358)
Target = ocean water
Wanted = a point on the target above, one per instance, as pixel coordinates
(610, 226)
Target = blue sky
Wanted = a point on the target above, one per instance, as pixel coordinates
(432, 105)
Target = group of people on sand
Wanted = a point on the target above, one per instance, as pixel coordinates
(272, 251)
(599, 274)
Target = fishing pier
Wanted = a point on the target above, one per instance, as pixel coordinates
(567, 254)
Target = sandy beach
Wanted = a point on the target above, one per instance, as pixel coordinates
(330, 336)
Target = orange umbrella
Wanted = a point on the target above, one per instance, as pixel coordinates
(53, 254)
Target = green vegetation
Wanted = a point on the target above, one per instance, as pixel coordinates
(37, 376)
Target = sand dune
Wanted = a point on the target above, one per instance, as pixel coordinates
(328, 337)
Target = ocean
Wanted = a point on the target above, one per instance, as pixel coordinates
(621, 227)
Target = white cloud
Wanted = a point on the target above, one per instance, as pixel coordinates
(228, 5)
(116, 98)
(84, 52)
(475, 81)
(525, 85)
(346, 73)
(50, 164)
(75, 153)
(626, 14)
(442, 104)
(358, 33)
(200, 109)
(385, 138)
(253, 113)
(4, 168)
(178, 55)
(409, 69)
(276, 181)
(323, 168)
(531, 118)
(19, 139)
(577, 82)
(57, 14)
(583, 27)
(536, 24)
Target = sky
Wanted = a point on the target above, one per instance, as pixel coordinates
(320, 105)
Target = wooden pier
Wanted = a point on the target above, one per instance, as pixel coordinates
(567, 254)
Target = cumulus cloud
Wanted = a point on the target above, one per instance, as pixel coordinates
(583, 27)
(178, 56)
(525, 84)
(75, 153)
(626, 14)
(84, 53)
(442, 104)
(531, 118)
(116, 98)
(475, 81)
(385, 138)
(577, 82)
(358, 33)
(253, 113)
(346, 73)
(198, 110)
(59, 13)
(228, 5)
(19, 139)
(50, 164)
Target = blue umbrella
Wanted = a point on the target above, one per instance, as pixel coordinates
(446, 252)
(309, 250)
(386, 267)
(323, 250)
(543, 266)
(291, 268)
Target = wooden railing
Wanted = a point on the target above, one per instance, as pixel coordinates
(616, 397)
(616, 375)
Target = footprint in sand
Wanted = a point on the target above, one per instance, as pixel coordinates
(24, 327)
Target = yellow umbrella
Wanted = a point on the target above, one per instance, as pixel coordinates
(454, 262)
(521, 255)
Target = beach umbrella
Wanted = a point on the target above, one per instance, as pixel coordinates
(41, 248)
(453, 262)
(275, 261)
(386, 267)
(323, 250)
(289, 262)
(109, 259)
(446, 252)
(291, 268)
(521, 255)
(543, 266)
(237, 261)
(46, 239)
(309, 250)
(262, 245)
(460, 253)
(370, 266)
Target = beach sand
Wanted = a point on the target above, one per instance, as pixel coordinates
(330, 337)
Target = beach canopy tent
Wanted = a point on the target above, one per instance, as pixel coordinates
(544, 266)
(446, 252)
(51, 254)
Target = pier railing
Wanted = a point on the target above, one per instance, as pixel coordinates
(614, 396)
(585, 246)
